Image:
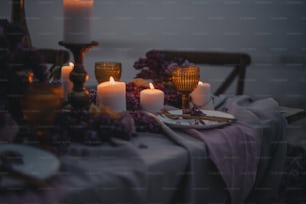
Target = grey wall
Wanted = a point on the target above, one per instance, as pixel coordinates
(273, 32)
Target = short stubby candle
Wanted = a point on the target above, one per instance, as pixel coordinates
(152, 100)
(200, 96)
(77, 21)
(65, 78)
(112, 94)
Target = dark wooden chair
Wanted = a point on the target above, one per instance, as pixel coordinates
(239, 61)
(56, 57)
(293, 114)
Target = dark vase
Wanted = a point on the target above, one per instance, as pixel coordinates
(16, 86)
(18, 17)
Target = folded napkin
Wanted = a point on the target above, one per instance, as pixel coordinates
(265, 116)
(235, 149)
(252, 112)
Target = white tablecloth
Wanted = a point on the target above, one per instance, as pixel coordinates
(171, 167)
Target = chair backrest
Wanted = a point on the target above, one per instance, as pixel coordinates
(237, 60)
(56, 57)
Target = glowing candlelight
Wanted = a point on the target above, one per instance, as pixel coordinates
(65, 77)
(201, 95)
(111, 80)
(152, 99)
(112, 94)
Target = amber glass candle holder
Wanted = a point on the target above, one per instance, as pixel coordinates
(40, 104)
(185, 79)
(104, 70)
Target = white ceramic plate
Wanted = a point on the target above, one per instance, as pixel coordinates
(37, 164)
(193, 123)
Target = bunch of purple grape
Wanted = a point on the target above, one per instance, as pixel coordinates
(144, 122)
(172, 96)
(133, 96)
(157, 66)
(87, 128)
(92, 96)
(107, 127)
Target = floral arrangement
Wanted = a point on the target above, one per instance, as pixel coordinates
(91, 127)
(142, 121)
(98, 124)
(84, 127)
(172, 97)
(157, 66)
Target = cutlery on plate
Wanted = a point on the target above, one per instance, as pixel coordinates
(197, 117)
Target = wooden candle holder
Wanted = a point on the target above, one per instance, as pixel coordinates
(79, 96)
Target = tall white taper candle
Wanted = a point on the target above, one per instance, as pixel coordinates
(65, 77)
(77, 21)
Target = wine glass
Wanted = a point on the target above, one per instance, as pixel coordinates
(185, 79)
(104, 70)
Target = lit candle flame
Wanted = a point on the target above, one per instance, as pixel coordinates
(30, 77)
(111, 80)
(71, 64)
(78, 3)
(151, 86)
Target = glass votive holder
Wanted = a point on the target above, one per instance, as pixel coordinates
(104, 70)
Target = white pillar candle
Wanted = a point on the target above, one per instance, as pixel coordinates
(65, 77)
(112, 94)
(77, 21)
(152, 99)
(200, 96)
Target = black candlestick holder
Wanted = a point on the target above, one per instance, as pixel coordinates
(79, 96)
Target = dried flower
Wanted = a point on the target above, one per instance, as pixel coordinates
(157, 66)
